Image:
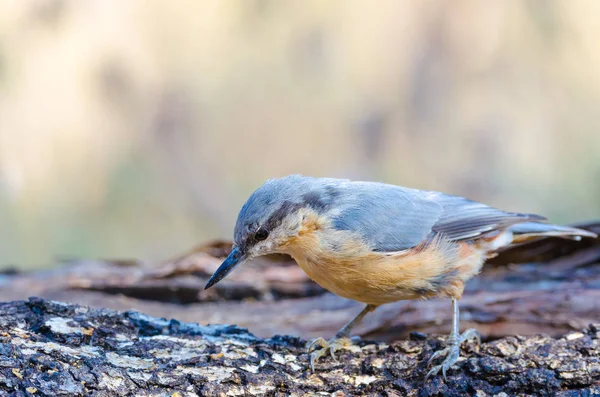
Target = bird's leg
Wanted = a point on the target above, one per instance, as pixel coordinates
(452, 349)
(341, 338)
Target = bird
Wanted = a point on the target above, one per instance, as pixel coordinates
(378, 243)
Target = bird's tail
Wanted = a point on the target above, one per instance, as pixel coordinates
(528, 231)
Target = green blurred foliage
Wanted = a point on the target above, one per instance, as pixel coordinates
(138, 128)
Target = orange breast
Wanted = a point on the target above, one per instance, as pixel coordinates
(343, 264)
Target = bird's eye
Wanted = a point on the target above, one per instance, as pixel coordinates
(261, 234)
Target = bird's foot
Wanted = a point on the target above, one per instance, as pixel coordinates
(451, 352)
(331, 346)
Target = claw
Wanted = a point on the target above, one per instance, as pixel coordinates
(332, 346)
(332, 353)
(436, 355)
(313, 358)
(471, 334)
(432, 372)
(318, 341)
(452, 353)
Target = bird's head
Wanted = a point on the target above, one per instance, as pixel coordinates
(273, 216)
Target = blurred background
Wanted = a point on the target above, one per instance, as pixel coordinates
(137, 129)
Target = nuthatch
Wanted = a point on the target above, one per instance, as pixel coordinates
(377, 243)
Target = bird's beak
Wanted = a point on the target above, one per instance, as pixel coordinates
(236, 256)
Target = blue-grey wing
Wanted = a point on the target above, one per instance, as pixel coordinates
(464, 219)
(387, 217)
(392, 218)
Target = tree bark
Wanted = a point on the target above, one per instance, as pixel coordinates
(51, 348)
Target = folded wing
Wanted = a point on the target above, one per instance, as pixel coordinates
(391, 218)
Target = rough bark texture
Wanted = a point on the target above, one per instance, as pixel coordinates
(51, 348)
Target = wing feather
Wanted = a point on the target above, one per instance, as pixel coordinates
(465, 219)
(392, 218)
